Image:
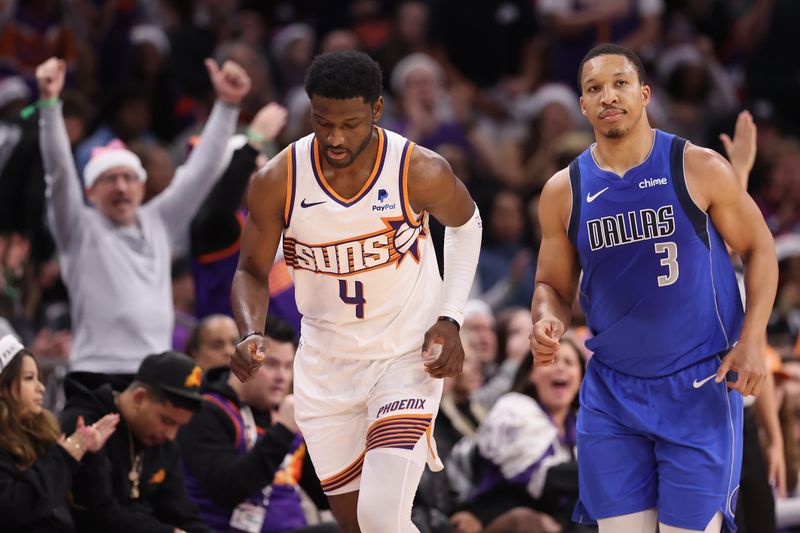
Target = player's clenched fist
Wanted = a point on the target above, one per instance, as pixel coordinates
(249, 356)
(545, 340)
(50, 78)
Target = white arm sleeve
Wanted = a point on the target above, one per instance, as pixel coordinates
(462, 247)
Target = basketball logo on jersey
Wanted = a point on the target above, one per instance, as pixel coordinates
(385, 247)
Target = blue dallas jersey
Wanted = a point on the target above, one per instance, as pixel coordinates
(658, 287)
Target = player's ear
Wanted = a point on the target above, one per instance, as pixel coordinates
(645, 94)
(377, 109)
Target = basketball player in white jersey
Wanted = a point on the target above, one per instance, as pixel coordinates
(379, 326)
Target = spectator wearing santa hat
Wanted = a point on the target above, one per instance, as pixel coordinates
(115, 254)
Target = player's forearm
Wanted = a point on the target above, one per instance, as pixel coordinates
(250, 300)
(462, 246)
(547, 302)
(760, 281)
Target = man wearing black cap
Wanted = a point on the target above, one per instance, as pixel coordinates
(148, 493)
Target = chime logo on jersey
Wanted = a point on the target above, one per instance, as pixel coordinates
(363, 253)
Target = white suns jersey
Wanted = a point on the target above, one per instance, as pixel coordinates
(364, 268)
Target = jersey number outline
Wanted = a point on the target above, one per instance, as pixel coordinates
(670, 261)
(357, 299)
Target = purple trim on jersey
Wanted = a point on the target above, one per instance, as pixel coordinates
(293, 179)
(374, 181)
(406, 216)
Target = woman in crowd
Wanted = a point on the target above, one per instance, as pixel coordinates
(527, 477)
(37, 463)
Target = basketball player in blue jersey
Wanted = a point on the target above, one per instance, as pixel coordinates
(380, 327)
(644, 216)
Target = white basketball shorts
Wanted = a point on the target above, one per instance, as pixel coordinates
(346, 408)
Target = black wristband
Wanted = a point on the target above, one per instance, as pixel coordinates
(451, 320)
(249, 334)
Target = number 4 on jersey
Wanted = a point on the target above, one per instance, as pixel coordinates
(357, 299)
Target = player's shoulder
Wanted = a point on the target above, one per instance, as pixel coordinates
(558, 187)
(273, 172)
(705, 161)
(555, 202)
(707, 174)
(426, 164)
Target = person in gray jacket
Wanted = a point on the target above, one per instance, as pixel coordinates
(115, 254)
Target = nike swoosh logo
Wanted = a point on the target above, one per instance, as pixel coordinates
(592, 197)
(312, 204)
(697, 384)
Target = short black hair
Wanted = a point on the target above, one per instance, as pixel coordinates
(279, 330)
(609, 49)
(344, 75)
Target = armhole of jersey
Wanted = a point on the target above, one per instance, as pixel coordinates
(408, 212)
(677, 168)
(291, 185)
(575, 210)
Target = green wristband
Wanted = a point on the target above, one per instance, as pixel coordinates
(255, 137)
(41, 103)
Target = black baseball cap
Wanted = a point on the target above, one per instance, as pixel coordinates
(174, 373)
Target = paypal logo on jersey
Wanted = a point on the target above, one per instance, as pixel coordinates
(382, 196)
(653, 182)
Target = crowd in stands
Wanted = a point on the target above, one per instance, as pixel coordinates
(117, 410)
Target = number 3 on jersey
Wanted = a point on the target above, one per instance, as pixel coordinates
(357, 299)
(670, 261)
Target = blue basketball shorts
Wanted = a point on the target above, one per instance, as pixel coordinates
(673, 443)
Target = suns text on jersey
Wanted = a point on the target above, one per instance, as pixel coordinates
(357, 254)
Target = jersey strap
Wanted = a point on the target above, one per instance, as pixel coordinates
(575, 214)
(676, 168)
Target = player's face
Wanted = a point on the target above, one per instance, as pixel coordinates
(343, 127)
(117, 194)
(558, 384)
(274, 379)
(612, 98)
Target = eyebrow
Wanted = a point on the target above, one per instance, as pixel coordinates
(615, 75)
(348, 119)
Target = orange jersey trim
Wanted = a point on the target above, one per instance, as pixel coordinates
(408, 211)
(379, 159)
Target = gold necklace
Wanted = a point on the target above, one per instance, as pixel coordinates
(137, 464)
(137, 459)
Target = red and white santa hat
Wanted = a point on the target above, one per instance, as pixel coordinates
(9, 347)
(114, 154)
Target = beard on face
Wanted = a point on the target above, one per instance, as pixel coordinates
(348, 161)
(615, 133)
